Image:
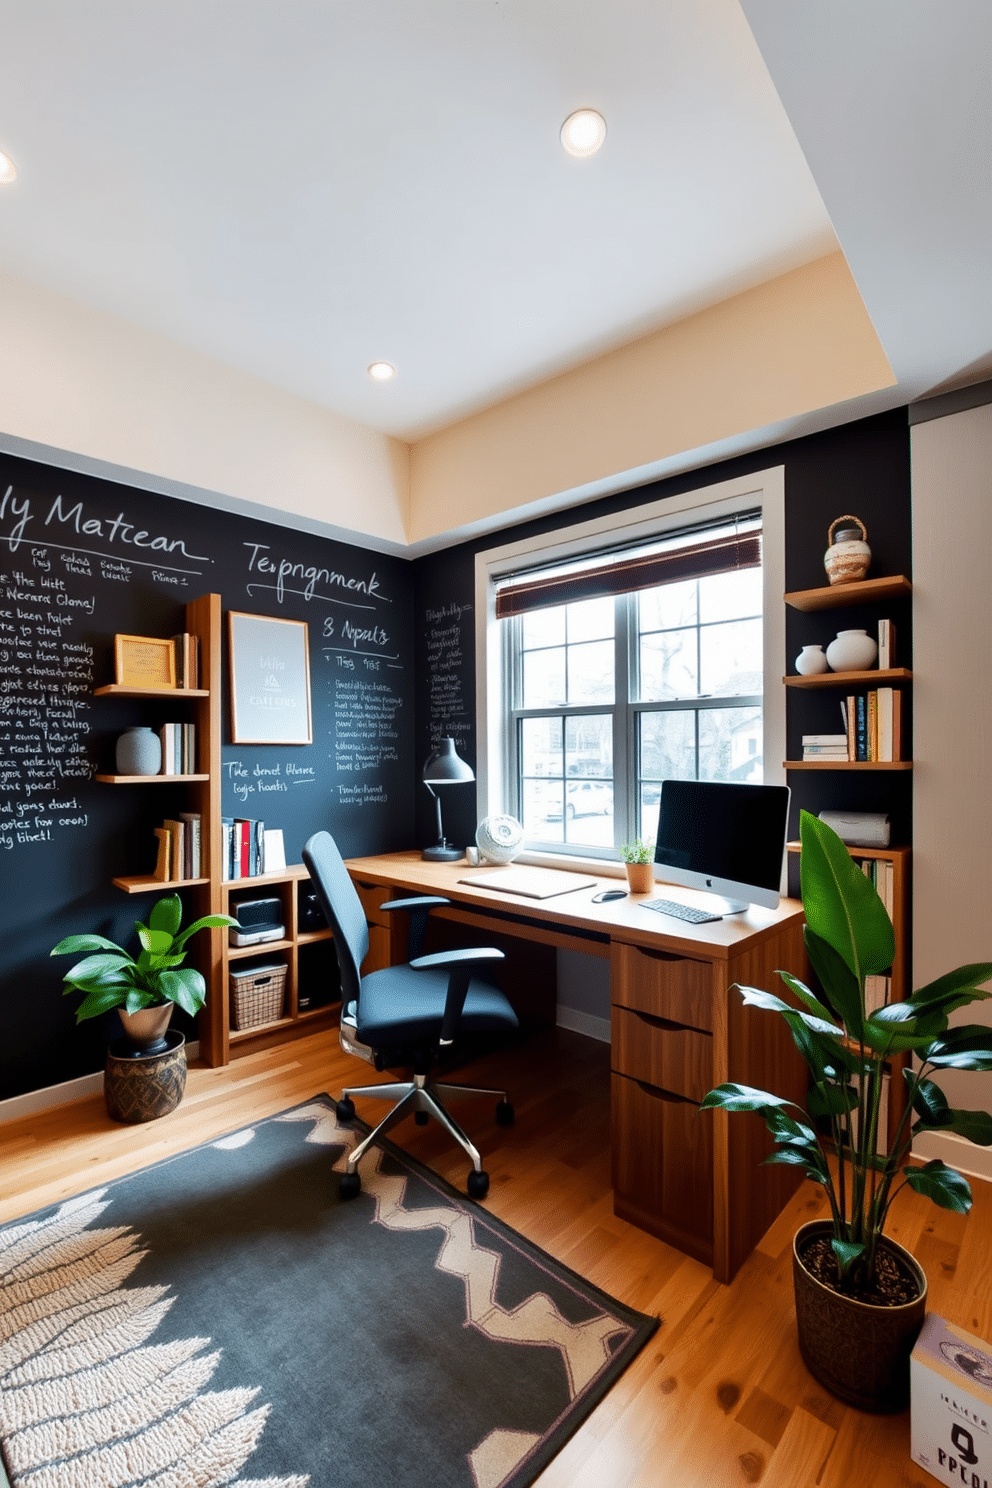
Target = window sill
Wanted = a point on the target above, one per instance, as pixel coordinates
(598, 867)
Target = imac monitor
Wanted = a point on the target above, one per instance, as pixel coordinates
(725, 839)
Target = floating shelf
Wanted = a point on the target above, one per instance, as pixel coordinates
(239, 953)
(833, 596)
(147, 884)
(848, 679)
(847, 764)
(115, 689)
(146, 779)
(857, 851)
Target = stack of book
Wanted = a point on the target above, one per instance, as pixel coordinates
(179, 855)
(187, 649)
(825, 747)
(242, 847)
(873, 725)
(878, 989)
(178, 748)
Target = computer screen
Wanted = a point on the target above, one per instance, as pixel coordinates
(722, 838)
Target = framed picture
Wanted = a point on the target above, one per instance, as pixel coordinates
(145, 661)
(270, 680)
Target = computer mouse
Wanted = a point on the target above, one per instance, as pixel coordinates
(609, 894)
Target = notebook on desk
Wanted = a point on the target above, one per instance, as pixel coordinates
(532, 883)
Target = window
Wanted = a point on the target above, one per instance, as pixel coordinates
(613, 658)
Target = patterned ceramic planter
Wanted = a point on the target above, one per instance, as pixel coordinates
(141, 1087)
(859, 1352)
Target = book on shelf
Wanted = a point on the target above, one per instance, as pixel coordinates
(163, 862)
(192, 848)
(860, 727)
(177, 834)
(849, 707)
(886, 645)
(187, 651)
(178, 748)
(242, 846)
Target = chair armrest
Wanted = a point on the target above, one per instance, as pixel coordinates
(459, 965)
(418, 908)
(457, 958)
(422, 901)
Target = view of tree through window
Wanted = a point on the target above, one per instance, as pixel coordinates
(612, 695)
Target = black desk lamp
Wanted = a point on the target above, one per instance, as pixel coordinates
(444, 768)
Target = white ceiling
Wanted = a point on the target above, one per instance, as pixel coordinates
(297, 189)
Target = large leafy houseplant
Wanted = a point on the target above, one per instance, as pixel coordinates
(111, 978)
(849, 936)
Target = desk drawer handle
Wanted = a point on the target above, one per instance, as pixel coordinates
(665, 1025)
(665, 1095)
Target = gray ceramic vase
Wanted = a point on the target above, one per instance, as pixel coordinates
(139, 752)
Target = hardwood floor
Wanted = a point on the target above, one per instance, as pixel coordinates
(718, 1397)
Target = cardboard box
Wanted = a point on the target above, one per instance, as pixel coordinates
(951, 1393)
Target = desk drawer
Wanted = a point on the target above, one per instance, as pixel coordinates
(662, 1054)
(663, 1165)
(663, 985)
(372, 895)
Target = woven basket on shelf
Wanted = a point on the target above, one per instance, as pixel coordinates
(257, 995)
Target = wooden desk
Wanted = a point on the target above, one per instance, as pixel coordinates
(693, 1178)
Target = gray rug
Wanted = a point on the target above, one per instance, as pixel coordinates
(220, 1318)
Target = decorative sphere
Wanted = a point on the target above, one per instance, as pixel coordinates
(499, 839)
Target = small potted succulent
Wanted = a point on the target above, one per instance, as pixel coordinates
(860, 1297)
(144, 991)
(638, 859)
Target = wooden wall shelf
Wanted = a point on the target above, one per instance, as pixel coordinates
(847, 764)
(892, 675)
(833, 596)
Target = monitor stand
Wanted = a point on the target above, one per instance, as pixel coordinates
(722, 906)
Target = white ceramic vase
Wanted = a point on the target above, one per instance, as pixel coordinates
(811, 661)
(852, 651)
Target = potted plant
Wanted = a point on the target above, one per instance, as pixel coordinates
(860, 1298)
(143, 991)
(638, 859)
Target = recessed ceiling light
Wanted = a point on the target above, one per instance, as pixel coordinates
(381, 371)
(8, 170)
(583, 132)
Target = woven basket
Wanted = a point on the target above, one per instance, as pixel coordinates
(257, 995)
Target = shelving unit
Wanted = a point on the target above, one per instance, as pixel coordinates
(835, 597)
(211, 893)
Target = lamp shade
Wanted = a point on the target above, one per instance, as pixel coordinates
(445, 767)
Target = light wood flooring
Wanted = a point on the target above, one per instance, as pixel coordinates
(718, 1397)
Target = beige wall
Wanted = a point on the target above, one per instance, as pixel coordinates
(952, 726)
(798, 343)
(80, 381)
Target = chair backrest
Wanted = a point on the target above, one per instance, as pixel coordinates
(343, 908)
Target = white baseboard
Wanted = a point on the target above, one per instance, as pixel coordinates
(956, 1152)
(571, 1018)
(51, 1096)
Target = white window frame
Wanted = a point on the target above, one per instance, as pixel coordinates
(763, 491)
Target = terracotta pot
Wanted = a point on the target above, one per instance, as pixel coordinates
(145, 1029)
(640, 877)
(859, 1352)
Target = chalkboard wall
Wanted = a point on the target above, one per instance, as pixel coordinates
(82, 559)
(860, 467)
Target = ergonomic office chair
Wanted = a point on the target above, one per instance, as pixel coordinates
(407, 1013)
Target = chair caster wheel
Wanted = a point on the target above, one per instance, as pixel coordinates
(349, 1185)
(478, 1185)
(505, 1115)
(345, 1109)
(421, 1118)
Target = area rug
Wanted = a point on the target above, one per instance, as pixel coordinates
(221, 1318)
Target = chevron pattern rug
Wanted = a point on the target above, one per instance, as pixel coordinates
(220, 1318)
